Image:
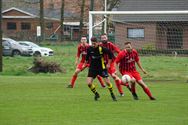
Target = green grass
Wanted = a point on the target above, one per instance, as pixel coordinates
(41, 100)
(158, 67)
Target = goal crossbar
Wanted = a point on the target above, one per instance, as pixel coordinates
(91, 13)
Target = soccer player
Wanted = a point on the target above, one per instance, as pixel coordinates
(126, 60)
(82, 50)
(112, 70)
(97, 66)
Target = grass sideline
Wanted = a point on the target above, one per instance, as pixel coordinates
(43, 100)
(158, 67)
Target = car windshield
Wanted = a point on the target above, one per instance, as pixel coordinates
(33, 44)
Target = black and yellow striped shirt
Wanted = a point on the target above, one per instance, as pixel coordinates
(96, 57)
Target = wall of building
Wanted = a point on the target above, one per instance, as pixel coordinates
(121, 35)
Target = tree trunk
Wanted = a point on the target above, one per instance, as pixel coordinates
(42, 19)
(62, 20)
(81, 19)
(110, 5)
(1, 48)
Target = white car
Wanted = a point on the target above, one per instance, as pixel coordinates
(13, 48)
(37, 50)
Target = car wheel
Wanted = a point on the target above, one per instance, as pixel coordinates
(37, 54)
(16, 53)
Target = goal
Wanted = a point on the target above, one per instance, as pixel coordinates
(150, 32)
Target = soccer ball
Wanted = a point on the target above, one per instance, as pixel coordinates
(126, 78)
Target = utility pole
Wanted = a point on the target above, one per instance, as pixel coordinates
(92, 9)
(62, 20)
(81, 19)
(91, 5)
(42, 19)
(1, 47)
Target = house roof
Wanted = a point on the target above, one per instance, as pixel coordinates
(33, 13)
(152, 5)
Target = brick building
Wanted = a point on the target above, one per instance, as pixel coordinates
(153, 31)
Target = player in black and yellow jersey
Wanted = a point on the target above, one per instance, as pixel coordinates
(95, 54)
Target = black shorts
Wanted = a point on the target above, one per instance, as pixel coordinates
(93, 73)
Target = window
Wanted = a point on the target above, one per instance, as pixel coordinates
(25, 26)
(135, 33)
(49, 25)
(11, 26)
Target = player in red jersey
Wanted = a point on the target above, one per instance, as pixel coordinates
(82, 50)
(112, 70)
(126, 60)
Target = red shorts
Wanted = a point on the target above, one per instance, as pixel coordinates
(80, 66)
(112, 68)
(134, 74)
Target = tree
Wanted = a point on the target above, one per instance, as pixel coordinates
(110, 5)
(62, 20)
(81, 18)
(1, 48)
(42, 19)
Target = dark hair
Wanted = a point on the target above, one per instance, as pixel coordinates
(127, 43)
(104, 34)
(84, 36)
(94, 39)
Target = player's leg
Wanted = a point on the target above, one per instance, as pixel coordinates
(146, 89)
(133, 90)
(91, 75)
(104, 74)
(101, 81)
(117, 80)
(118, 83)
(73, 79)
(134, 77)
(110, 88)
(75, 75)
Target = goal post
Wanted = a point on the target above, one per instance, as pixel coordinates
(165, 14)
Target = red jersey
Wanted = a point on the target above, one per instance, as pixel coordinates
(82, 50)
(113, 48)
(127, 60)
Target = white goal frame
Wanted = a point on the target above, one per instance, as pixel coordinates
(91, 13)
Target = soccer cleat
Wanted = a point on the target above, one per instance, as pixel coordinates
(121, 94)
(152, 98)
(135, 96)
(103, 86)
(113, 97)
(69, 86)
(128, 88)
(97, 96)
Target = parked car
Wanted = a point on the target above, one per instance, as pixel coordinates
(13, 48)
(37, 50)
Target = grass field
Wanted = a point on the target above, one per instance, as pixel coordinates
(43, 99)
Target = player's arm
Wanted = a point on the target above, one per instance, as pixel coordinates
(141, 68)
(87, 57)
(116, 49)
(110, 55)
(77, 56)
(118, 58)
(139, 63)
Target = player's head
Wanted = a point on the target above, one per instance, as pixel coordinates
(128, 46)
(95, 42)
(104, 38)
(83, 40)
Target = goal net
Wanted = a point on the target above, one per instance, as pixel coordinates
(150, 32)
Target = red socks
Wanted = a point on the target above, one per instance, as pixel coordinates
(147, 91)
(74, 77)
(101, 81)
(119, 87)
